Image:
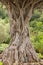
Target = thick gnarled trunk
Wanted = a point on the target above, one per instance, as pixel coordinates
(20, 48)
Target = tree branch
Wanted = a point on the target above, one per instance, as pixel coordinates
(23, 3)
(28, 5)
(5, 2)
(16, 3)
(31, 8)
(38, 4)
(28, 17)
(35, 2)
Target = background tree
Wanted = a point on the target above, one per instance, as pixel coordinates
(20, 48)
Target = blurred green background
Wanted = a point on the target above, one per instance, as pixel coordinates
(36, 30)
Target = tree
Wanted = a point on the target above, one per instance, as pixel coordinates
(20, 48)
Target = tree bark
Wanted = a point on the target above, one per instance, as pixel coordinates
(20, 48)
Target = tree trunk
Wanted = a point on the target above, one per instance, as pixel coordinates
(20, 48)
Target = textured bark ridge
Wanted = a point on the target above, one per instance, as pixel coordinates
(20, 48)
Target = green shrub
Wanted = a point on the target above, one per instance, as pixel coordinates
(1, 63)
(40, 55)
(4, 32)
(36, 31)
(3, 46)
